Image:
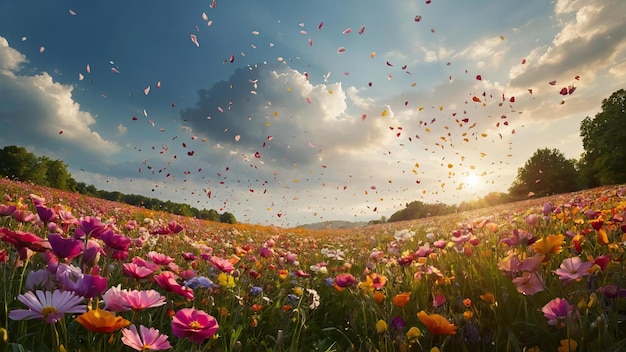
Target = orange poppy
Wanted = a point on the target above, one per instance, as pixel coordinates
(99, 320)
(551, 244)
(401, 299)
(437, 324)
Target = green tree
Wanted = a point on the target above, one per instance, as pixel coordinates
(604, 141)
(228, 218)
(57, 174)
(546, 172)
(17, 163)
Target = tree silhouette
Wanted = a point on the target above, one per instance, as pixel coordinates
(546, 172)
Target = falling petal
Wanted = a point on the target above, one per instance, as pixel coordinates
(237, 138)
(42, 49)
(255, 32)
(80, 77)
(88, 68)
(213, 3)
(564, 91)
(418, 18)
(479, 77)
(204, 16)
(347, 31)
(552, 83)
(147, 90)
(194, 39)
(341, 50)
(310, 42)
(476, 99)
(320, 25)
(158, 85)
(523, 61)
(114, 70)
(72, 12)
(24, 39)
(232, 58)
(362, 30)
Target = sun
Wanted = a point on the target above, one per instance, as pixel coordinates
(472, 181)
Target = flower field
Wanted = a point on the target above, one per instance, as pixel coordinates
(83, 274)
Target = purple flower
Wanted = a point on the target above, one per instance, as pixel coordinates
(397, 323)
(557, 310)
(65, 247)
(46, 214)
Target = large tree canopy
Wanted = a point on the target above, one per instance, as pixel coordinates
(546, 172)
(604, 142)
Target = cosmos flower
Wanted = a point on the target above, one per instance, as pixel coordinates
(196, 325)
(145, 339)
(65, 247)
(573, 269)
(167, 281)
(49, 306)
(557, 310)
(529, 283)
(100, 320)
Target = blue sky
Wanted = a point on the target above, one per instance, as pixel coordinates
(292, 112)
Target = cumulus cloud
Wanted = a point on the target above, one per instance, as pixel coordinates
(276, 112)
(36, 108)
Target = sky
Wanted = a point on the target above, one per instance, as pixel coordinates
(293, 112)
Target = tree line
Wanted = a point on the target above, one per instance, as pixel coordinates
(549, 172)
(16, 163)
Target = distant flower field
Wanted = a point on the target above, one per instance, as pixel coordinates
(83, 274)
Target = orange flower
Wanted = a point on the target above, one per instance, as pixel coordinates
(551, 244)
(283, 273)
(99, 320)
(379, 297)
(488, 297)
(256, 307)
(401, 299)
(437, 324)
(602, 237)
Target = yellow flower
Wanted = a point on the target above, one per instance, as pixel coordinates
(226, 280)
(488, 297)
(298, 291)
(567, 345)
(413, 334)
(468, 314)
(551, 244)
(434, 349)
(381, 326)
(99, 320)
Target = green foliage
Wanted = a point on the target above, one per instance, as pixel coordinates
(16, 163)
(546, 172)
(418, 210)
(604, 142)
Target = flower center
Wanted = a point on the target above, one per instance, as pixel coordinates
(47, 311)
(195, 325)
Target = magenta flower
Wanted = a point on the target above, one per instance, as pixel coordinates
(65, 247)
(573, 269)
(145, 340)
(345, 280)
(46, 214)
(557, 310)
(115, 299)
(49, 306)
(196, 325)
(90, 227)
(6, 210)
(167, 281)
(529, 283)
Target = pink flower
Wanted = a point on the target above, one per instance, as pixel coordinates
(49, 306)
(573, 269)
(223, 264)
(136, 271)
(557, 309)
(145, 340)
(115, 299)
(167, 281)
(160, 259)
(529, 283)
(196, 325)
(140, 300)
(345, 280)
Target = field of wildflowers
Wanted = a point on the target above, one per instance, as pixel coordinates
(83, 274)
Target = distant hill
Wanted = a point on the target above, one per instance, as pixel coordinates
(333, 224)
